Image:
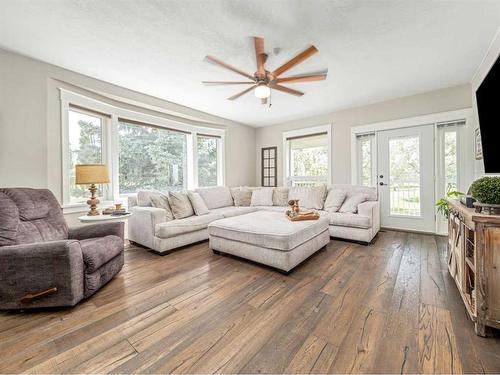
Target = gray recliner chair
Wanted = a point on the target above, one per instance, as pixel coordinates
(43, 263)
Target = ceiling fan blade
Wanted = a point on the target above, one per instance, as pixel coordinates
(215, 83)
(263, 101)
(230, 67)
(295, 61)
(286, 89)
(241, 93)
(260, 56)
(302, 78)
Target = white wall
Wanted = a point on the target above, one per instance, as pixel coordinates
(447, 99)
(479, 76)
(30, 124)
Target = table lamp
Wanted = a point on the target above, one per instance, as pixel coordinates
(92, 174)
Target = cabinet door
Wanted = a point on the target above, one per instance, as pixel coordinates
(492, 271)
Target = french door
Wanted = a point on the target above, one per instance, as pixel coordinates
(405, 177)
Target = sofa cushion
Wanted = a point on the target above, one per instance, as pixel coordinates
(371, 192)
(190, 224)
(242, 196)
(199, 206)
(335, 199)
(270, 230)
(280, 196)
(215, 197)
(180, 204)
(262, 197)
(98, 251)
(347, 219)
(351, 203)
(160, 200)
(309, 196)
(231, 211)
(9, 220)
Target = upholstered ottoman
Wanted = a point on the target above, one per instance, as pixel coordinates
(269, 238)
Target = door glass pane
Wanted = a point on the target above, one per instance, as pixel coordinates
(404, 171)
(450, 160)
(366, 162)
(85, 147)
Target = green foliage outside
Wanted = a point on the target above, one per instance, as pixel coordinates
(151, 158)
(207, 161)
(87, 151)
(486, 190)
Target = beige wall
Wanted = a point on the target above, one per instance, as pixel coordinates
(30, 124)
(448, 99)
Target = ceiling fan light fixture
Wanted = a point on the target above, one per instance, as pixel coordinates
(262, 91)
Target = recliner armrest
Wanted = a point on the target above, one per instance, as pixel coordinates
(36, 267)
(97, 230)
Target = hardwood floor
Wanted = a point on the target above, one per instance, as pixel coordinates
(389, 307)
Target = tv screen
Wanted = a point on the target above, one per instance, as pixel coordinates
(488, 108)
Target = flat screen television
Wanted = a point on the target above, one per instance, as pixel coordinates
(488, 108)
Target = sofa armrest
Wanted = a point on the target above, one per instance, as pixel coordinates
(142, 223)
(38, 267)
(372, 210)
(97, 230)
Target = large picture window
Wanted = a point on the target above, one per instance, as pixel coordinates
(307, 154)
(151, 158)
(142, 151)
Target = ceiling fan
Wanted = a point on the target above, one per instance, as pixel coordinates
(262, 81)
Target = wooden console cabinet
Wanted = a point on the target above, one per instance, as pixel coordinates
(474, 262)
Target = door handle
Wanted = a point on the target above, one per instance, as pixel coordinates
(382, 184)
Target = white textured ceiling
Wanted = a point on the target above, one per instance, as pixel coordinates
(374, 50)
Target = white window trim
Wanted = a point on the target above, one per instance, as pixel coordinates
(301, 133)
(110, 144)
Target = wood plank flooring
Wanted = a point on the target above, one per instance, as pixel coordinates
(390, 307)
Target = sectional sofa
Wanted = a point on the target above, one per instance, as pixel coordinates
(153, 227)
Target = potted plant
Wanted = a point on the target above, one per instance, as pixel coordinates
(442, 204)
(486, 191)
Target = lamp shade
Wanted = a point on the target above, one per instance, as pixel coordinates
(87, 174)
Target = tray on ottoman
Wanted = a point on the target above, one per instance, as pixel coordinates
(269, 238)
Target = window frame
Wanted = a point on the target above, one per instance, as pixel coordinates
(111, 115)
(304, 133)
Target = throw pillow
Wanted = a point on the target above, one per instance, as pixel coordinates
(352, 202)
(335, 199)
(180, 204)
(262, 197)
(280, 196)
(312, 197)
(242, 196)
(216, 197)
(160, 200)
(199, 206)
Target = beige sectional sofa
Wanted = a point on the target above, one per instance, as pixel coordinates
(152, 227)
